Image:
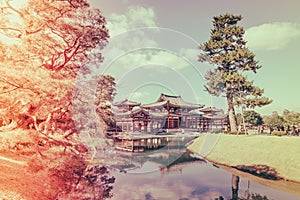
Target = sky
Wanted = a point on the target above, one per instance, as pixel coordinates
(153, 48)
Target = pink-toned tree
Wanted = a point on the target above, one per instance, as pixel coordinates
(43, 46)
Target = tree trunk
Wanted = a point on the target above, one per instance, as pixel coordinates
(244, 124)
(231, 115)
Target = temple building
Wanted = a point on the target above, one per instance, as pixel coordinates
(168, 113)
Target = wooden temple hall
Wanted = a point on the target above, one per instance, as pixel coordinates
(168, 113)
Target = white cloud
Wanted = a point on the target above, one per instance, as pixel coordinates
(272, 36)
(141, 16)
(133, 45)
(155, 57)
(126, 37)
(135, 17)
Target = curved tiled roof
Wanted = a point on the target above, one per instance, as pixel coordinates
(220, 116)
(127, 102)
(155, 104)
(175, 101)
(210, 109)
(196, 112)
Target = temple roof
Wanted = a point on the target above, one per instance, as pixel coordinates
(127, 102)
(138, 109)
(170, 100)
(196, 112)
(210, 109)
(220, 116)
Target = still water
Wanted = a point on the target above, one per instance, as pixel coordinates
(179, 175)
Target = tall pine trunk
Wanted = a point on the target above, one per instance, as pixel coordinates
(231, 114)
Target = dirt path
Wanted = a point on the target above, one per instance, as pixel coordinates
(20, 181)
(11, 174)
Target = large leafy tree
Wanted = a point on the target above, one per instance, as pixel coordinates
(43, 46)
(253, 118)
(249, 117)
(274, 120)
(55, 35)
(292, 119)
(226, 49)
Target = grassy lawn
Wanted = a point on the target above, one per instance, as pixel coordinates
(281, 153)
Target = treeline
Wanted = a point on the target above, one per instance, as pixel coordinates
(287, 123)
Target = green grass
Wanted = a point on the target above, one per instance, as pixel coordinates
(281, 153)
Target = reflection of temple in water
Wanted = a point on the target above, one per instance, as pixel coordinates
(167, 160)
(178, 165)
(181, 162)
(167, 113)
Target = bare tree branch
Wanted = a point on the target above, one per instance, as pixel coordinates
(12, 8)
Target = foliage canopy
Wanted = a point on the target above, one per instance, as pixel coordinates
(44, 46)
(226, 49)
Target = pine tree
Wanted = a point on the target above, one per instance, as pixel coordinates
(226, 50)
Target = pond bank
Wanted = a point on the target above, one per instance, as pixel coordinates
(257, 154)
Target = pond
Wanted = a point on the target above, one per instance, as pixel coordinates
(179, 175)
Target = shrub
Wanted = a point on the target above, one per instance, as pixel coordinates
(278, 133)
(237, 133)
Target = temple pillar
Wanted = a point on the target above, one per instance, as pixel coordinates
(186, 122)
